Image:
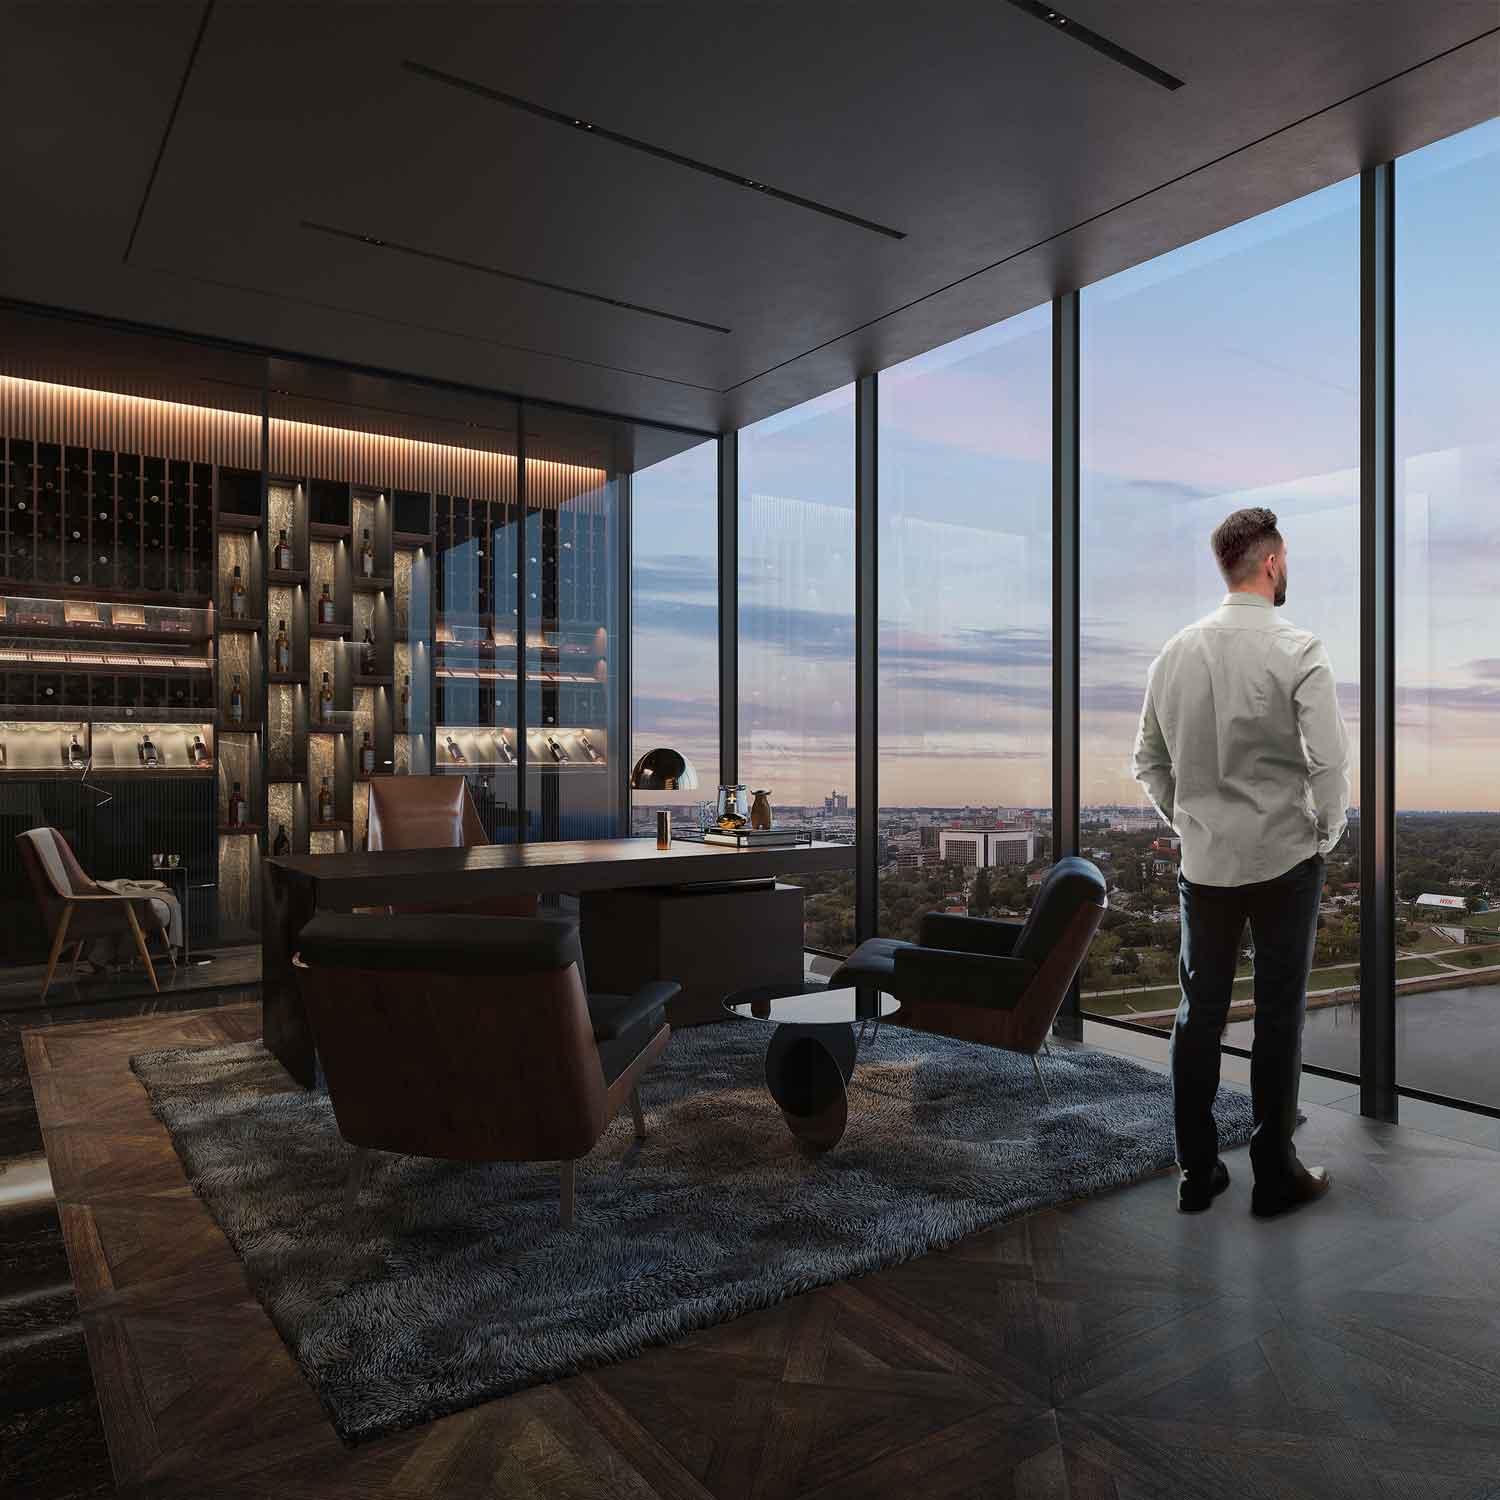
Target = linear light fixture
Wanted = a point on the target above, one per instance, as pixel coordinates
(436, 256)
(633, 143)
(1067, 26)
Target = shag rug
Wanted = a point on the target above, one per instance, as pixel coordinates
(452, 1284)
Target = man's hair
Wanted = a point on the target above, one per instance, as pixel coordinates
(1242, 541)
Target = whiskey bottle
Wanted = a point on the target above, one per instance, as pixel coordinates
(236, 595)
(325, 803)
(367, 655)
(236, 807)
(403, 715)
(325, 607)
(76, 758)
(236, 703)
(148, 750)
(588, 749)
(558, 753)
(283, 553)
(283, 657)
(366, 756)
(281, 844)
(455, 752)
(199, 751)
(325, 702)
(367, 556)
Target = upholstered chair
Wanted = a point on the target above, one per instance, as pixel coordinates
(471, 1038)
(75, 908)
(1000, 983)
(434, 812)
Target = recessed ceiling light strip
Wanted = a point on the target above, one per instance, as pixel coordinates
(377, 243)
(589, 127)
(1067, 26)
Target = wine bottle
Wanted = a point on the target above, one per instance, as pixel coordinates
(199, 751)
(455, 752)
(148, 750)
(325, 701)
(588, 748)
(325, 803)
(236, 807)
(282, 844)
(283, 656)
(506, 753)
(367, 556)
(236, 703)
(367, 655)
(558, 753)
(366, 756)
(325, 608)
(236, 595)
(283, 553)
(76, 758)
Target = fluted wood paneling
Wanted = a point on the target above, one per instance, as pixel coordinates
(133, 424)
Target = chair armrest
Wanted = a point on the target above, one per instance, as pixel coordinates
(105, 896)
(625, 1017)
(969, 934)
(986, 981)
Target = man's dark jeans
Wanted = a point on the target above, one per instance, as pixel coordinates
(1283, 917)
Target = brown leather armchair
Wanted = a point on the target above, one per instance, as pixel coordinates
(1000, 983)
(75, 908)
(471, 1038)
(434, 812)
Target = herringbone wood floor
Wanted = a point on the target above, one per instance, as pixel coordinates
(1110, 1348)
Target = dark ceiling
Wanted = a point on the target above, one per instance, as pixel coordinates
(758, 201)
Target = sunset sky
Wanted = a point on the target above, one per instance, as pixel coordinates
(1221, 375)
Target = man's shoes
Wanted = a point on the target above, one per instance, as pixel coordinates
(1196, 1191)
(1307, 1184)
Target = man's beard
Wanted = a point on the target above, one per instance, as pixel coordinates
(1280, 598)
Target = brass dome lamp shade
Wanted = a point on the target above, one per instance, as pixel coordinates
(664, 770)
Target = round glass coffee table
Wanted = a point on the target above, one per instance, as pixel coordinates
(810, 1058)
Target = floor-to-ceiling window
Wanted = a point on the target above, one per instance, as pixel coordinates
(674, 619)
(1224, 374)
(965, 560)
(1447, 859)
(796, 634)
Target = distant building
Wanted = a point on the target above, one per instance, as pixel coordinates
(836, 802)
(985, 848)
(1135, 822)
(1428, 902)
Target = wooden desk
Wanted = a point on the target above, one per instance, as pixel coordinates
(296, 886)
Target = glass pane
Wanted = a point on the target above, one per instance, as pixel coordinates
(965, 689)
(796, 635)
(674, 623)
(1447, 635)
(1222, 375)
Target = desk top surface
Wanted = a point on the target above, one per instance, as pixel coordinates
(569, 865)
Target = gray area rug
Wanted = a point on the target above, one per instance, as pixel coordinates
(453, 1283)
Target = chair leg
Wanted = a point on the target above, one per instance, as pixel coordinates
(1036, 1068)
(637, 1115)
(58, 938)
(77, 954)
(566, 1198)
(140, 943)
(357, 1169)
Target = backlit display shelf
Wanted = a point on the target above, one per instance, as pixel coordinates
(67, 655)
(83, 618)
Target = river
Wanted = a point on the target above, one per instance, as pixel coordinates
(1447, 1041)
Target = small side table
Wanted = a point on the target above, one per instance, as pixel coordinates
(811, 1055)
(176, 881)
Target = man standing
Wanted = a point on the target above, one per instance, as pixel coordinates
(1242, 750)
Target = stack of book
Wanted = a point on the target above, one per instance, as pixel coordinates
(756, 838)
